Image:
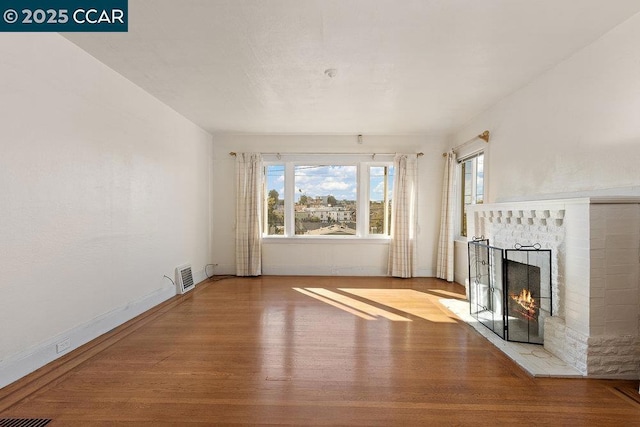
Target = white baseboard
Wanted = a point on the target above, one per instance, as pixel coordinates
(323, 270)
(198, 276)
(30, 360)
(320, 270)
(425, 272)
(224, 269)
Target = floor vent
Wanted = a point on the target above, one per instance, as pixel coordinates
(23, 422)
(184, 279)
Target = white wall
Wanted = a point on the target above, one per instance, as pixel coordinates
(575, 130)
(103, 190)
(322, 258)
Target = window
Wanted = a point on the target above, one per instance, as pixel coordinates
(380, 191)
(472, 188)
(274, 201)
(315, 196)
(326, 199)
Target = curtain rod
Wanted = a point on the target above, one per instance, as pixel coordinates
(233, 153)
(484, 136)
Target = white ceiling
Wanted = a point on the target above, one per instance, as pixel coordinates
(403, 67)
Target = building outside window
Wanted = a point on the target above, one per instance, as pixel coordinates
(326, 199)
(311, 198)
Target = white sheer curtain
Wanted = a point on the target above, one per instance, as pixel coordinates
(402, 251)
(445, 243)
(248, 214)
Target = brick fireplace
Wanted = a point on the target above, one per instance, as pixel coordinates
(595, 277)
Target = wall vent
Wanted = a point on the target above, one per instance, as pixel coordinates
(184, 279)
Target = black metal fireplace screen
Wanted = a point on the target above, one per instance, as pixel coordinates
(510, 289)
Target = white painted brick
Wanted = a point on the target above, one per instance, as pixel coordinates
(622, 312)
(576, 242)
(597, 254)
(597, 270)
(622, 241)
(628, 350)
(614, 355)
(576, 302)
(617, 213)
(622, 269)
(597, 229)
(581, 366)
(621, 327)
(598, 291)
(621, 256)
(577, 289)
(618, 227)
(622, 296)
(622, 281)
(576, 336)
(597, 238)
(591, 287)
(597, 316)
(576, 267)
(629, 371)
(597, 243)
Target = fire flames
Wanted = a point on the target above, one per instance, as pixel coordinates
(527, 303)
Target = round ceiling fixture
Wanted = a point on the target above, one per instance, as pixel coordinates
(330, 72)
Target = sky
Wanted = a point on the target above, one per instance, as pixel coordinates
(317, 181)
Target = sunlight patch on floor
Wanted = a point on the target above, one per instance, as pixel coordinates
(409, 301)
(358, 305)
(334, 304)
(351, 305)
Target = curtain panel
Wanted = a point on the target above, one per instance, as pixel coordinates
(248, 214)
(445, 267)
(402, 250)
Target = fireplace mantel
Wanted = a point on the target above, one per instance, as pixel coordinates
(595, 274)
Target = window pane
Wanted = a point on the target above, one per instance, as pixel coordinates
(274, 196)
(377, 192)
(467, 188)
(467, 170)
(392, 174)
(325, 200)
(480, 179)
(472, 186)
(380, 191)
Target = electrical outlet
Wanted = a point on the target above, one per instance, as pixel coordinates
(63, 345)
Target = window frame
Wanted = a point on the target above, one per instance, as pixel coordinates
(362, 162)
(387, 200)
(462, 231)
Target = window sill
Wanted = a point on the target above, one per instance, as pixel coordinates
(327, 240)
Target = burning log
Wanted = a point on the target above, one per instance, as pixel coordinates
(527, 304)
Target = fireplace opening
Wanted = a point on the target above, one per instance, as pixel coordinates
(510, 289)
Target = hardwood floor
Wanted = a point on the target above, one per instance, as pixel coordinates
(312, 351)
